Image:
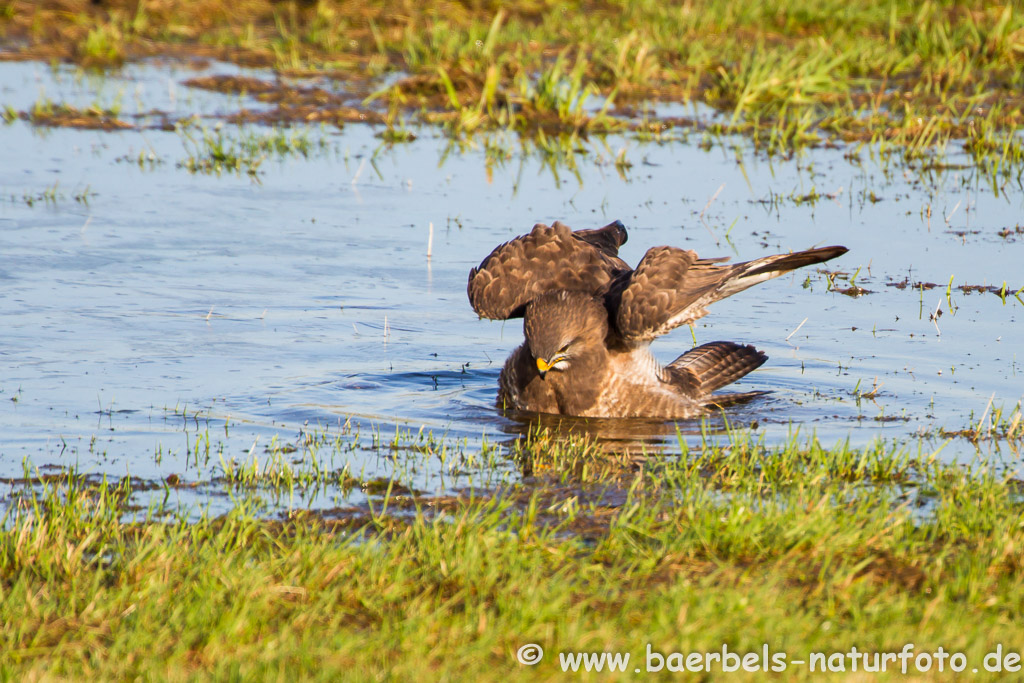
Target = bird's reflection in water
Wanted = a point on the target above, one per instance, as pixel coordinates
(631, 436)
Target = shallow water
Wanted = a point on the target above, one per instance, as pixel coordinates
(142, 319)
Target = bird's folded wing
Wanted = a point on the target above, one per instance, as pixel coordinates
(672, 287)
(547, 258)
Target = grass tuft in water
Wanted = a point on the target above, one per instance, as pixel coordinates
(222, 149)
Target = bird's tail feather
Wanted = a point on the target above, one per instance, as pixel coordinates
(717, 364)
(767, 267)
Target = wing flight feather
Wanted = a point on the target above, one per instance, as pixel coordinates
(672, 287)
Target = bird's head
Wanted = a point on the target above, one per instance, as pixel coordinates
(563, 326)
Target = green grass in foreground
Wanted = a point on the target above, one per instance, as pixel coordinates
(800, 547)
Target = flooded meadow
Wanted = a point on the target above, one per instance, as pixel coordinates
(195, 295)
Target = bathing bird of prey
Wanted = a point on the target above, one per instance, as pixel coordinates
(589, 319)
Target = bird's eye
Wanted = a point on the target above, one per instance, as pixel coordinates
(565, 347)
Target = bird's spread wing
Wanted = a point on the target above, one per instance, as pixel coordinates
(672, 287)
(546, 259)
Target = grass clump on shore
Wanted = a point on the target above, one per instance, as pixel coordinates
(800, 547)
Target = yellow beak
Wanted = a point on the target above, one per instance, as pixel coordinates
(544, 365)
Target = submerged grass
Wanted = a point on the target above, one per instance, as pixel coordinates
(51, 196)
(236, 149)
(804, 548)
(909, 76)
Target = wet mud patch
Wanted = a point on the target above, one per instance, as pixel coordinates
(852, 291)
(67, 116)
(233, 85)
(1002, 291)
(1014, 233)
(298, 112)
(293, 102)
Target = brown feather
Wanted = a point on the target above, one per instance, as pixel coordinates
(608, 239)
(545, 260)
(711, 366)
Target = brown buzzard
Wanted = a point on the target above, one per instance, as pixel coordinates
(589, 319)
